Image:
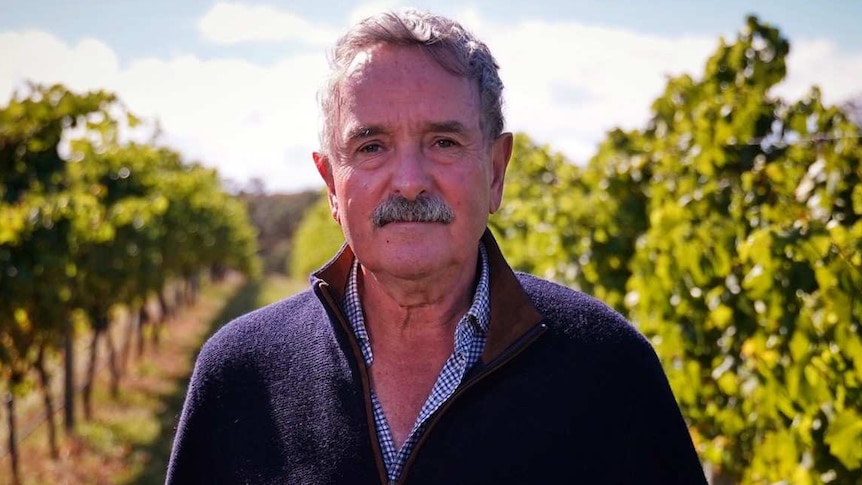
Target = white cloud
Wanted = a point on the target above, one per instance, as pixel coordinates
(245, 119)
(249, 120)
(234, 23)
(819, 62)
(41, 57)
(567, 84)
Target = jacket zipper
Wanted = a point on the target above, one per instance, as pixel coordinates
(516, 349)
(383, 474)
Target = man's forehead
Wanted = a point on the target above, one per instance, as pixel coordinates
(386, 88)
(387, 61)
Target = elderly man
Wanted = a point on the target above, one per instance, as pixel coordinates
(418, 356)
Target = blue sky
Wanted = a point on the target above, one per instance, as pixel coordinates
(233, 83)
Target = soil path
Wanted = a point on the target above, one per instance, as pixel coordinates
(129, 439)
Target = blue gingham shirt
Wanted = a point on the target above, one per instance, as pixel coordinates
(470, 335)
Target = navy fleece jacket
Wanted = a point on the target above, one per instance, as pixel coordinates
(567, 392)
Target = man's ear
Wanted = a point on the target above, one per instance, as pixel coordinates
(501, 153)
(324, 168)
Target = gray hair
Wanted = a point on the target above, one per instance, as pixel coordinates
(445, 41)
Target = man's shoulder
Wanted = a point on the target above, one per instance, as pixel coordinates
(555, 300)
(576, 314)
(278, 324)
(276, 317)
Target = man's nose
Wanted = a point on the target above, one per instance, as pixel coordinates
(410, 177)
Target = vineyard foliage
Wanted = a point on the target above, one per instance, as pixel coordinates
(89, 221)
(729, 230)
(276, 217)
(316, 240)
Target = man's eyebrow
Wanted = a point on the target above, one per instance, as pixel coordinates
(362, 132)
(447, 127)
(368, 131)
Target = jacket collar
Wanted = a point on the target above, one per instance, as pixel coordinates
(512, 311)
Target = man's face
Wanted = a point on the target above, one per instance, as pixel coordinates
(408, 128)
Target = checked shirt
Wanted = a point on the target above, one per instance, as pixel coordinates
(470, 335)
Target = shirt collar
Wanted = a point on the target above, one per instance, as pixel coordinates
(479, 312)
(480, 309)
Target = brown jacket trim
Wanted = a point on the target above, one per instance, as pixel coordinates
(336, 272)
(512, 311)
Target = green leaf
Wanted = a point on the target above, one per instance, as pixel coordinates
(720, 317)
(844, 437)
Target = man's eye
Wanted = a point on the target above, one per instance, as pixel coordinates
(370, 148)
(445, 143)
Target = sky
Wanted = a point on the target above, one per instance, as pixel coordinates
(233, 84)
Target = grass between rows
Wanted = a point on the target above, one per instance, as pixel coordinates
(129, 439)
